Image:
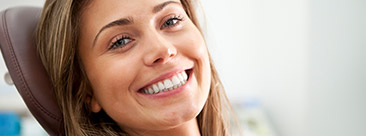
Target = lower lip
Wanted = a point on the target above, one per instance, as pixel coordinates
(171, 92)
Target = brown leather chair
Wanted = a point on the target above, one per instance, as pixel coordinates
(17, 43)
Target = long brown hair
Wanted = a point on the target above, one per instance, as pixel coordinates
(57, 40)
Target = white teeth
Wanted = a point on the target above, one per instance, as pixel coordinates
(167, 84)
(175, 81)
(161, 86)
(155, 88)
(185, 77)
(151, 91)
(180, 78)
(146, 91)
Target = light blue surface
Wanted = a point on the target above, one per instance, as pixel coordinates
(9, 124)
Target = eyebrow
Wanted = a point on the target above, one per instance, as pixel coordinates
(129, 20)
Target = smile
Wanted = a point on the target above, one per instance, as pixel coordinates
(167, 84)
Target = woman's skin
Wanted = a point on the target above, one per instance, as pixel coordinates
(126, 46)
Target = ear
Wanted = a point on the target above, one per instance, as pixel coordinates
(94, 105)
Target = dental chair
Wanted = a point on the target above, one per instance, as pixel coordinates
(17, 44)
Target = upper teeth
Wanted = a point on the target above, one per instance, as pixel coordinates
(167, 84)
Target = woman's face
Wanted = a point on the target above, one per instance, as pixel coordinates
(146, 61)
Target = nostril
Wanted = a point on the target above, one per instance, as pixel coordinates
(157, 60)
(172, 52)
(162, 56)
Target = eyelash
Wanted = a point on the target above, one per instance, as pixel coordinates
(119, 40)
(178, 19)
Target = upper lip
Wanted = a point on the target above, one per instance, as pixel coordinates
(163, 76)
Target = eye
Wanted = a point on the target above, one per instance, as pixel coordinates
(120, 42)
(172, 22)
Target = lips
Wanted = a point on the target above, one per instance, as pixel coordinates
(167, 84)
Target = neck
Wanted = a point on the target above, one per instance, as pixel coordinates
(189, 128)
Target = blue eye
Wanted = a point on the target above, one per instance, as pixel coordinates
(120, 42)
(171, 22)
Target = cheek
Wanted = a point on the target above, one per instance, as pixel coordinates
(195, 49)
(110, 79)
(190, 43)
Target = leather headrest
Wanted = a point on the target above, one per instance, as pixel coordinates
(17, 42)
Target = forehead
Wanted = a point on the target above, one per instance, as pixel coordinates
(100, 12)
(112, 9)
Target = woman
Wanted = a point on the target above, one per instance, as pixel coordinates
(131, 67)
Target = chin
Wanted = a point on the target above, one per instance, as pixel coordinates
(174, 119)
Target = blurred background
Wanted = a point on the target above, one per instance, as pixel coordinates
(290, 67)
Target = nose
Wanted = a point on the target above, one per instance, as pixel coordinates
(159, 50)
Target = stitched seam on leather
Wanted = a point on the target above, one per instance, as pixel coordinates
(20, 74)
